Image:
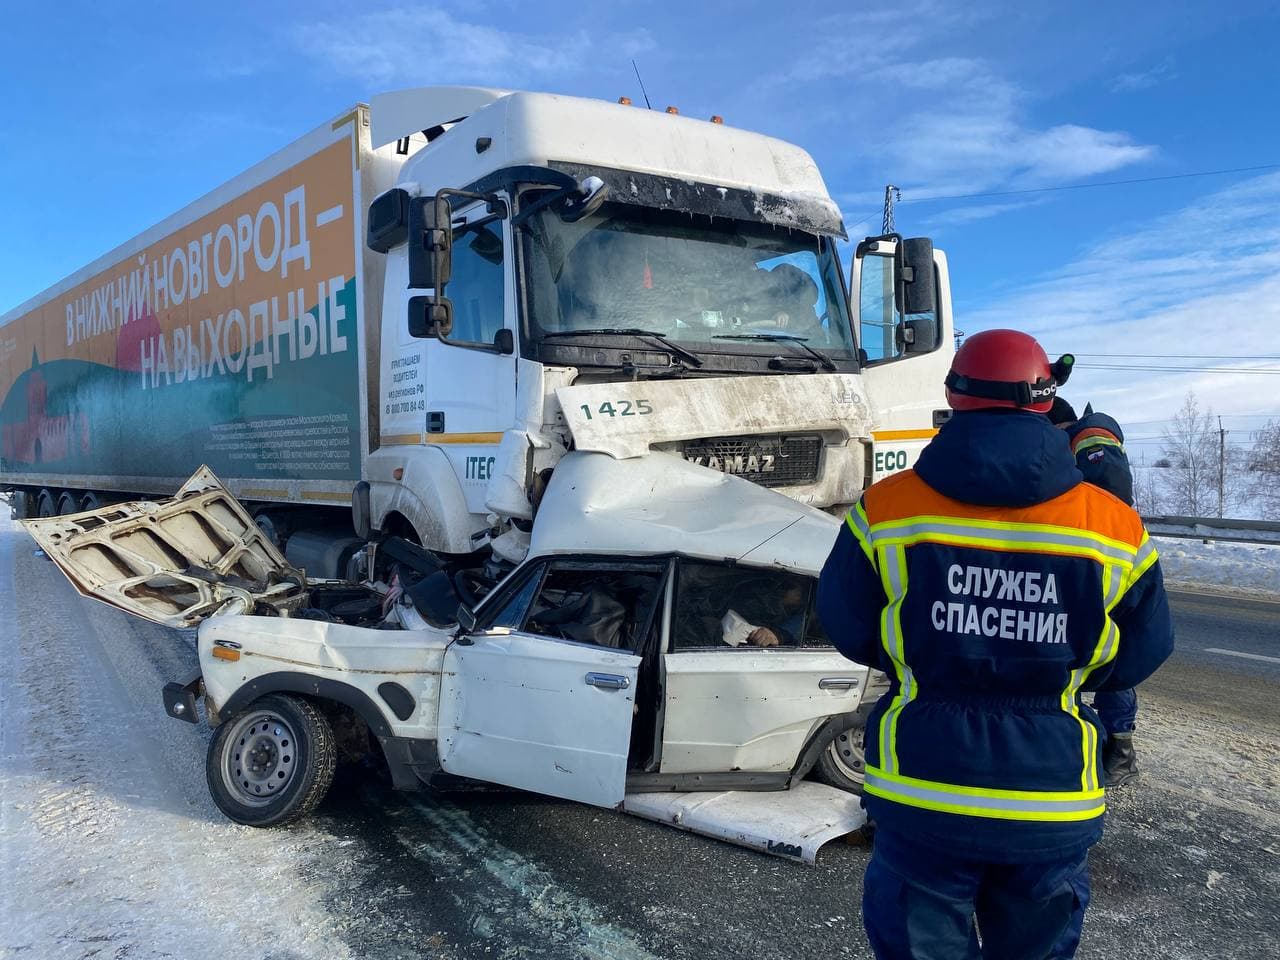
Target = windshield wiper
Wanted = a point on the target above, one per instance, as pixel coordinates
(688, 356)
(822, 358)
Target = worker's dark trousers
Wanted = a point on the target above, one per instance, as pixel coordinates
(919, 903)
(1117, 709)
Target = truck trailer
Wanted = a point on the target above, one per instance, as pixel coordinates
(617, 280)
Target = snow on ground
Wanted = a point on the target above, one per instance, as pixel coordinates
(1219, 567)
(109, 845)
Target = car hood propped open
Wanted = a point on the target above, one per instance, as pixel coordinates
(174, 562)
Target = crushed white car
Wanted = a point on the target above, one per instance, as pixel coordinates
(657, 652)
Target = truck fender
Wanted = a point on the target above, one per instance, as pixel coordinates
(311, 686)
(444, 522)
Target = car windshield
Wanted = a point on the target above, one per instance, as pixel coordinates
(720, 284)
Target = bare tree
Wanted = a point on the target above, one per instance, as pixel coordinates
(1146, 492)
(1201, 464)
(1264, 470)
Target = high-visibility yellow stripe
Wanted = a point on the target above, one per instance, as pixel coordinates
(417, 439)
(1005, 525)
(253, 492)
(1098, 442)
(983, 802)
(897, 561)
(464, 438)
(994, 543)
(325, 495)
(881, 436)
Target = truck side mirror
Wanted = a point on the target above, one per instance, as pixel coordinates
(430, 242)
(917, 335)
(916, 291)
(430, 316)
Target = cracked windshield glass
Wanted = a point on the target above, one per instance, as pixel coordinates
(720, 284)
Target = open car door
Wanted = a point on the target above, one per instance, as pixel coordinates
(542, 694)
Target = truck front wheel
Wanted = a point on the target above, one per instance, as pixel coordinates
(272, 763)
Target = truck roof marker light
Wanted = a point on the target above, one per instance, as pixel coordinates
(716, 118)
(225, 653)
(674, 111)
(625, 101)
(397, 473)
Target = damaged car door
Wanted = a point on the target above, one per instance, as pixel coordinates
(542, 692)
(750, 676)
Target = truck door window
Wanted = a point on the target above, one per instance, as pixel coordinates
(879, 322)
(725, 608)
(877, 315)
(477, 286)
(610, 606)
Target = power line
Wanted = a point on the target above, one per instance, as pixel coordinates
(1169, 356)
(1152, 368)
(1097, 183)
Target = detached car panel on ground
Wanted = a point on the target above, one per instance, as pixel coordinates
(624, 674)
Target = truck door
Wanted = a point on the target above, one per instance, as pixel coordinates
(470, 377)
(907, 357)
(541, 695)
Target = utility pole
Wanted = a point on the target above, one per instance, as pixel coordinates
(891, 193)
(1222, 465)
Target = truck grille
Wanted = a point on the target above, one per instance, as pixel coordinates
(768, 461)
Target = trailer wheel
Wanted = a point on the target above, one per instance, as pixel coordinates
(272, 763)
(67, 505)
(45, 506)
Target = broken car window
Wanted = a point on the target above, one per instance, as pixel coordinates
(608, 606)
(721, 607)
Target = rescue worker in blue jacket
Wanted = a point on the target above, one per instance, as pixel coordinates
(992, 585)
(1098, 445)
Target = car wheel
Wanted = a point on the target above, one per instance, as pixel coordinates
(842, 762)
(272, 763)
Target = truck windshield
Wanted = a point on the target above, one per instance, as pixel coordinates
(715, 284)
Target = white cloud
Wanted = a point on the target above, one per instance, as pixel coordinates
(1204, 280)
(974, 134)
(1143, 80)
(430, 45)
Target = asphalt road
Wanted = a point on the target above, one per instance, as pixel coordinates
(104, 806)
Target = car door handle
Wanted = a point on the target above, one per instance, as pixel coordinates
(609, 681)
(837, 683)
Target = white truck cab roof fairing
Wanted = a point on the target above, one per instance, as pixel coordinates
(541, 129)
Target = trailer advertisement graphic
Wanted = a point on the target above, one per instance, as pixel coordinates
(232, 341)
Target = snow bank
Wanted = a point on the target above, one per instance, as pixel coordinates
(1240, 568)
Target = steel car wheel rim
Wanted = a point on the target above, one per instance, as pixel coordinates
(846, 751)
(259, 758)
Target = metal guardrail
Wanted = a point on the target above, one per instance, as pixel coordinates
(1214, 528)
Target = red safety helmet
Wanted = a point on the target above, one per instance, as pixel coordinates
(1004, 368)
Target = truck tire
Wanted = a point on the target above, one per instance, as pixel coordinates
(842, 763)
(67, 504)
(272, 763)
(45, 506)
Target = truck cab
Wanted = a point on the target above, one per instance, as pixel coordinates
(565, 274)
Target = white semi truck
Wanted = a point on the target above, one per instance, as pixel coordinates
(591, 370)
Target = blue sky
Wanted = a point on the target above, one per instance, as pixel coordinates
(120, 115)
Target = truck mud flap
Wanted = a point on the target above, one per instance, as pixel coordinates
(791, 823)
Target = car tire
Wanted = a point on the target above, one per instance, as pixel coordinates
(842, 762)
(272, 763)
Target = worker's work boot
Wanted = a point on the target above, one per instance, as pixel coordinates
(1119, 760)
